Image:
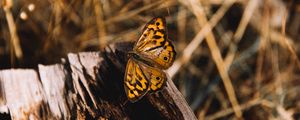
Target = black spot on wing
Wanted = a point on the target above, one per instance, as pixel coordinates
(165, 58)
(157, 23)
(156, 37)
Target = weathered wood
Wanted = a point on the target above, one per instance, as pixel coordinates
(24, 94)
(97, 89)
(55, 81)
(87, 85)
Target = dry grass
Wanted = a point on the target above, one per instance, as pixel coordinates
(236, 58)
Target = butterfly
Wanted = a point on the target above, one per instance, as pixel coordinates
(151, 54)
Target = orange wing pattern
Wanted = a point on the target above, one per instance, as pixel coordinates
(154, 46)
(135, 83)
(156, 77)
(156, 24)
(151, 53)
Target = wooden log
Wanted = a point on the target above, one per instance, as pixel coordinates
(58, 89)
(24, 94)
(87, 85)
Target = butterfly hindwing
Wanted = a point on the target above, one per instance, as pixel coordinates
(135, 83)
(156, 77)
(154, 46)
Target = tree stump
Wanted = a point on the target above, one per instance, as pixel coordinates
(86, 85)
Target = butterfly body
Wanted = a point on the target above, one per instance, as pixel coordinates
(152, 54)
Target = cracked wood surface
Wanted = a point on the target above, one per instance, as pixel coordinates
(87, 85)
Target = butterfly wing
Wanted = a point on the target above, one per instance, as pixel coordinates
(135, 83)
(154, 45)
(156, 77)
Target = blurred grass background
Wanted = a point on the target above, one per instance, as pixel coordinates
(236, 58)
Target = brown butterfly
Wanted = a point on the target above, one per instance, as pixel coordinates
(152, 54)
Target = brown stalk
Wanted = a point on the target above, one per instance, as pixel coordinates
(100, 24)
(12, 29)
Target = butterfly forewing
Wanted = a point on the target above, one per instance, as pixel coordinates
(156, 24)
(135, 83)
(154, 46)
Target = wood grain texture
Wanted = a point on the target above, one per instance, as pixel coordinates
(86, 85)
(24, 94)
(55, 79)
